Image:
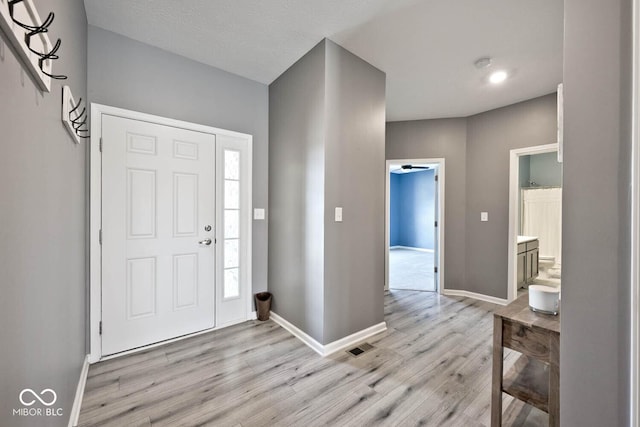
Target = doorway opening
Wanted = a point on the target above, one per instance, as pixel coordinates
(414, 213)
(535, 218)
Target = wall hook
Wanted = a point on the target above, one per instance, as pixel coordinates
(21, 25)
(73, 117)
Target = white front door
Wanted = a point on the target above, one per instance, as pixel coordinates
(158, 231)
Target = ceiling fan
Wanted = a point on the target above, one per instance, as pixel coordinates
(408, 168)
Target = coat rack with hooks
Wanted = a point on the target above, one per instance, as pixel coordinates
(27, 33)
(74, 116)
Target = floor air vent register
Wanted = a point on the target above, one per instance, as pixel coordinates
(362, 348)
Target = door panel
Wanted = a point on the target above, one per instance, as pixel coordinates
(521, 268)
(185, 204)
(534, 263)
(141, 203)
(141, 287)
(185, 281)
(158, 197)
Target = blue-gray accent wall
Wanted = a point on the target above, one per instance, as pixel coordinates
(395, 189)
(540, 170)
(412, 209)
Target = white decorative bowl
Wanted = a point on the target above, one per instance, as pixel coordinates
(544, 299)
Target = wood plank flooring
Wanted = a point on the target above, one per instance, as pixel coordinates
(432, 367)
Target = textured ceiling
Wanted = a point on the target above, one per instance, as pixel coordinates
(426, 47)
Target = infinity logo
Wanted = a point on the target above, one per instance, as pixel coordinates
(42, 393)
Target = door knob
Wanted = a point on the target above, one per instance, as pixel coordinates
(205, 242)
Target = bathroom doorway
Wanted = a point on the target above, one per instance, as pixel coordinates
(535, 218)
(414, 205)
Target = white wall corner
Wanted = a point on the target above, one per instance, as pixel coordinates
(353, 339)
(298, 333)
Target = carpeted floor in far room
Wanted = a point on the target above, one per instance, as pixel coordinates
(410, 269)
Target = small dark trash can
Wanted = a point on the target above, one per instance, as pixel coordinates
(263, 305)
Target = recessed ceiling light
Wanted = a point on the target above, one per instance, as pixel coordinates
(498, 77)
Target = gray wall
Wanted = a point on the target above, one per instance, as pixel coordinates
(42, 226)
(326, 133)
(594, 339)
(476, 151)
(491, 136)
(446, 138)
(128, 74)
(296, 192)
(355, 180)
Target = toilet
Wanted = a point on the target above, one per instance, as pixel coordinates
(546, 267)
(545, 262)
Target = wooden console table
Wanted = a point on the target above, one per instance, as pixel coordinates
(535, 377)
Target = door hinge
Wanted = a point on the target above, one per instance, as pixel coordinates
(100, 328)
(100, 236)
(436, 223)
(101, 144)
(435, 269)
(436, 178)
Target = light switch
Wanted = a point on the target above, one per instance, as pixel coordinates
(258, 213)
(338, 214)
(484, 216)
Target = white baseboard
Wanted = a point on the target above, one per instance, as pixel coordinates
(325, 350)
(252, 315)
(410, 248)
(481, 297)
(172, 340)
(352, 339)
(77, 401)
(298, 333)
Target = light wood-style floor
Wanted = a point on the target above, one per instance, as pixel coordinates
(432, 367)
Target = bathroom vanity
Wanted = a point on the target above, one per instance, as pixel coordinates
(527, 262)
